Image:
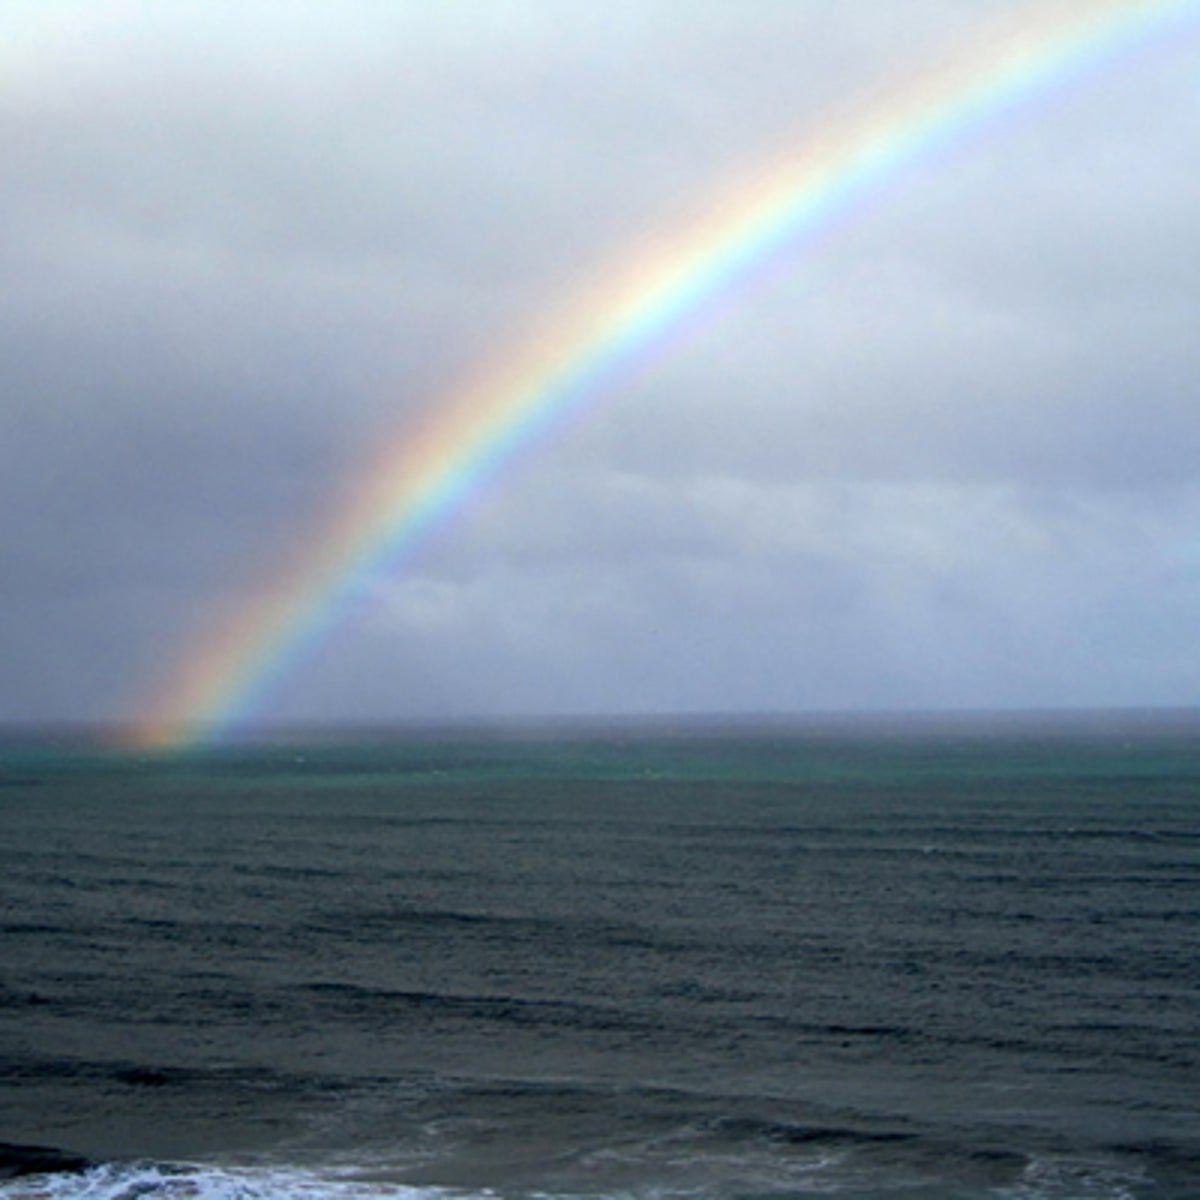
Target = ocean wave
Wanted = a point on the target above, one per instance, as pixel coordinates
(705, 1173)
(137, 1181)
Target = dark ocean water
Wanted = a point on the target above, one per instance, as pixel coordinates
(647, 963)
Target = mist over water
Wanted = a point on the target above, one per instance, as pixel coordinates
(846, 957)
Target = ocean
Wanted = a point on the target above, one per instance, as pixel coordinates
(848, 958)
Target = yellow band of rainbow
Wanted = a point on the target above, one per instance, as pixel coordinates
(571, 362)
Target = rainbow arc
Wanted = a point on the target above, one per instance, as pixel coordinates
(417, 485)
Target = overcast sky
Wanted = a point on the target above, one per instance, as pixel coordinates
(945, 458)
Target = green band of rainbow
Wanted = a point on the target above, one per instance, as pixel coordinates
(418, 484)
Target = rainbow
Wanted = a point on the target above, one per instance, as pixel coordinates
(418, 484)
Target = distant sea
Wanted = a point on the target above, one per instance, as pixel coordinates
(925, 958)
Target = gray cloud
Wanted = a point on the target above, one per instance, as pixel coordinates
(941, 455)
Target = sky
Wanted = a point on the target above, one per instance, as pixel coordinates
(944, 457)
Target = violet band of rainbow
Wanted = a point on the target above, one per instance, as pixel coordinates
(569, 364)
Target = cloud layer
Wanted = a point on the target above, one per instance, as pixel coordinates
(945, 458)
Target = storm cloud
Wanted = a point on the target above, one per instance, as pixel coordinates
(943, 458)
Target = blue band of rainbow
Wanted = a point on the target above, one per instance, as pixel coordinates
(567, 365)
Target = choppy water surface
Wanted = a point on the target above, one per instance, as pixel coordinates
(723, 962)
